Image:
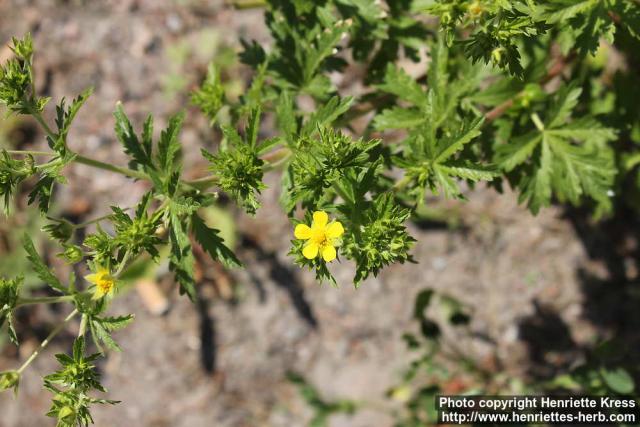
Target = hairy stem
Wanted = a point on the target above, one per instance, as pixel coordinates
(83, 326)
(93, 221)
(109, 167)
(43, 300)
(47, 340)
(86, 160)
(123, 264)
(248, 4)
(38, 116)
(33, 153)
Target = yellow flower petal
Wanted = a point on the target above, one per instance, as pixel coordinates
(320, 219)
(328, 253)
(91, 278)
(302, 231)
(334, 230)
(97, 293)
(310, 251)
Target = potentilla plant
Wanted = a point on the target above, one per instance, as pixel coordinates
(523, 94)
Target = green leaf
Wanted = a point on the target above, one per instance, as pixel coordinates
(42, 192)
(78, 349)
(101, 328)
(536, 187)
(398, 118)
(181, 260)
(126, 135)
(65, 117)
(169, 146)
(326, 114)
(455, 143)
(518, 150)
(400, 84)
(253, 128)
(562, 157)
(212, 243)
(325, 44)
(469, 171)
(588, 20)
(618, 380)
(40, 268)
(210, 96)
(286, 116)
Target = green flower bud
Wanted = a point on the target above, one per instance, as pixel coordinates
(9, 292)
(9, 379)
(72, 254)
(60, 230)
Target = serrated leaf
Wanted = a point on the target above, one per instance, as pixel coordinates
(42, 192)
(469, 171)
(537, 185)
(286, 117)
(212, 243)
(101, 329)
(517, 151)
(253, 127)
(398, 118)
(455, 143)
(128, 138)
(40, 268)
(327, 114)
(181, 259)
(169, 146)
(400, 84)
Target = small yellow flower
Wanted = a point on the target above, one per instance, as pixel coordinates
(476, 8)
(322, 236)
(104, 281)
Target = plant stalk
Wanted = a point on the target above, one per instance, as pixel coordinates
(112, 168)
(43, 300)
(47, 340)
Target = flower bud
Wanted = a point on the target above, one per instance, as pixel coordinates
(9, 379)
(9, 292)
(61, 230)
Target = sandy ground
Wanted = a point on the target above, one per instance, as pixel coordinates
(532, 286)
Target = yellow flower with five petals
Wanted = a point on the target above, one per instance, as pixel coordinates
(104, 281)
(322, 236)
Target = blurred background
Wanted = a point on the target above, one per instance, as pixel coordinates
(512, 303)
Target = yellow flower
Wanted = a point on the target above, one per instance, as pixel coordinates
(322, 236)
(475, 8)
(104, 281)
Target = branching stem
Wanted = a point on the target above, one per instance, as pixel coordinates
(44, 300)
(47, 340)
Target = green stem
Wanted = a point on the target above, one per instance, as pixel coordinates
(109, 167)
(86, 160)
(536, 121)
(33, 153)
(93, 221)
(43, 300)
(83, 326)
(248, 4)
(202, 183)
(402, 183)
(123, 264)
(38, 116)
(47, 340)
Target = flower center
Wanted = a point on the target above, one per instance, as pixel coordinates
(320, 238)
(105, 283)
